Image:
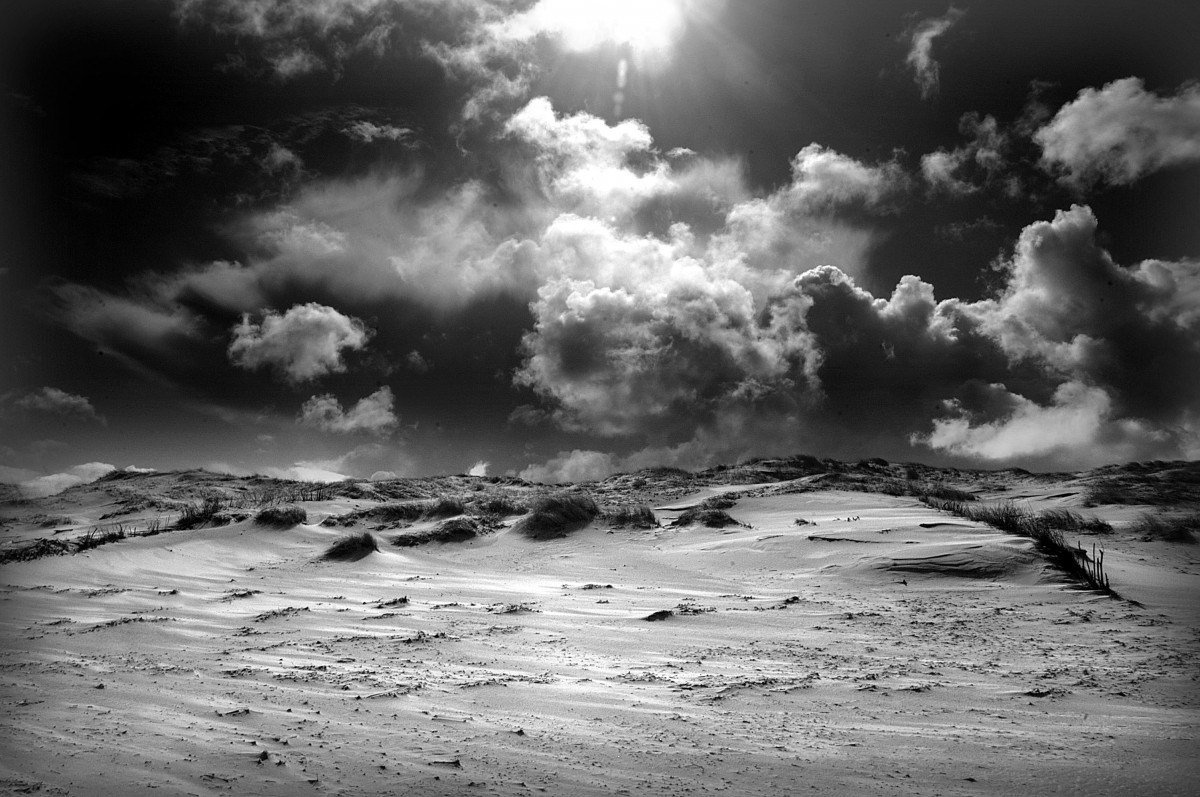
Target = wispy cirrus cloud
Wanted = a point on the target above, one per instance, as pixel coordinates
(926, 70)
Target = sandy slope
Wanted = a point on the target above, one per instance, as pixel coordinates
(885, 649)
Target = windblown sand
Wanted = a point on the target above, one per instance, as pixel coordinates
(884, 648)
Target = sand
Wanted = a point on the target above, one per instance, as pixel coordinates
(881, 648)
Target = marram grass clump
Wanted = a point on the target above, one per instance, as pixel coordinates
(281, 517)
(637, 517)
(710, 518)
(557, 515)
(1045, 529)
(351, 548)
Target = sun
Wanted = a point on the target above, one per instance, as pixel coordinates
(649, 28)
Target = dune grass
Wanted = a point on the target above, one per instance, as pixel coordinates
(1045, 529)
(498, 505)
(446, 506)
(557, 515)
(457, 529)
(718, 502)
(281, 517)
(638, 517)
(351, 548)
(1168, 528)
(198, 513)
(710, 518)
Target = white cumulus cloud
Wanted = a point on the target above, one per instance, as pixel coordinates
(1122, 132)
(300, 345)
(371, 415)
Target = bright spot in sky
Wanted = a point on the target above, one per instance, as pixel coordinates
(649, 27)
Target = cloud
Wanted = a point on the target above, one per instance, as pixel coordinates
(11, 475)
(139, 327)
(372, 414)
(480, 468)
(1121, 133)
(302, 344)
(305, 472)
(660, 341)
(571, 467)
(414, 361)
(296, 37)
(1118, 347)
(53, 484)
(59, 402)
(966, 169)
(368, 132)
(822, 178)
(926, 71)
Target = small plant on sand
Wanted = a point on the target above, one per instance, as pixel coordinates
(282, 517)
(710, 518)
(557, 515)
(197, 513)
(718, 502)
(351, 548)
(498, 505)
(1066, 520)
(95, 537)
(1168, 528)
(638, 517)
(446, 506)
(457, 529)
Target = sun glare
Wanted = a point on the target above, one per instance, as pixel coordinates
(648, 27)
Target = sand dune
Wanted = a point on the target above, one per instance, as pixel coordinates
(880, 647)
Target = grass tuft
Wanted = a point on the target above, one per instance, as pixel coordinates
(458, 529)
(718, 502)
(711, 518)
(281, 517)
(638, 517)
(1168, 528)
(198, 513)
(498, 505)
(351, 548)
(446, 506)
(1045, 529)
(557, 515)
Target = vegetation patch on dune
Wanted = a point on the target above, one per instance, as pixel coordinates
(446, 506)
(1045, 529)
(458, 529)
(1168, 528)
(557, 515)
(351, 548)
(710, 518)
(637, 517)
(92, 538)
(281, 517)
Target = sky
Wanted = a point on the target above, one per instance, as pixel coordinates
(371, 238)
